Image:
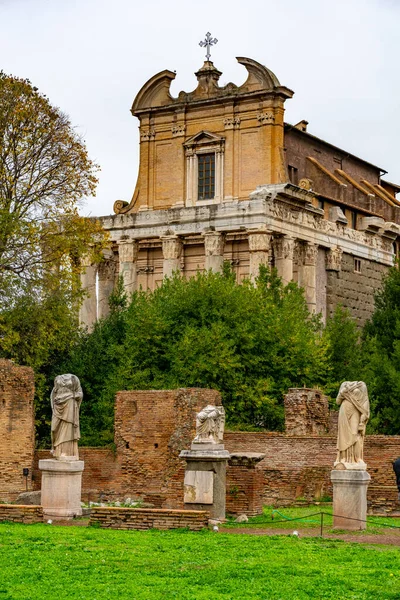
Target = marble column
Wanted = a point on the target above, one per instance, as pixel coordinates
(214, 243)
(88, 309)
(127, 253)
(283, 252)
(106, 282)
(260, 249)
(308, 253)
(172, 252)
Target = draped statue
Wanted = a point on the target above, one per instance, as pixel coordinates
(353, 418)
(210, 423)
(66, 398)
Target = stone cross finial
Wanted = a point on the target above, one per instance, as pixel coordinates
(208, 42)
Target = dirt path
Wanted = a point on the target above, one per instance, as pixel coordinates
(388, 536)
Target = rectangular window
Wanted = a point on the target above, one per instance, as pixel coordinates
(206, 178)
(357, 265)
(354, 220)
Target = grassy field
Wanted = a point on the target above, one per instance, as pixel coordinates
(47, 562)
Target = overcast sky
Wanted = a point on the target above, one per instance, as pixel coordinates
(90, 57)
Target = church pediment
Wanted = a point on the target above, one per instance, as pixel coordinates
(204, 138)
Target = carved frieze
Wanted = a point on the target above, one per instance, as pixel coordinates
(334, 259)
(284, 248)
(171, 247)
(232, 122)
(214, 242)
(265, 117)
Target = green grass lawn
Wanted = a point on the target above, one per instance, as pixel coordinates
(46, 562)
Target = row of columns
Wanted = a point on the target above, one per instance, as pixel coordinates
(287, 252)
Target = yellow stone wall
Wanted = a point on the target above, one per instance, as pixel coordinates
(249, 120)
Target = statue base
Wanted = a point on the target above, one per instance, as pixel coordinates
(350, 498)
(205, 479)
(61, 487)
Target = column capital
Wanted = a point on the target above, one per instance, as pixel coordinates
(334, 259)
(259, 240)
(284, 247)
(307, 254)
(214, 242)
(127, 251)
(171, 247)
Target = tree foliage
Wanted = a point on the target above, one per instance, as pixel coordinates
(45, 172)
(250, 342)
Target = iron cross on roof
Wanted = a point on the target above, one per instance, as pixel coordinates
(208, 42)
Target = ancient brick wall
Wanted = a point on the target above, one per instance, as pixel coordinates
(306, 412)
(151, 429)
(352, 290)
(148, 518)
(100, 468)
(299, 467)
(244, 490)
(21, 514)
(17, 437)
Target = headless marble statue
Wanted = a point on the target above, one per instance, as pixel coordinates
(353, 418)
(66, 398)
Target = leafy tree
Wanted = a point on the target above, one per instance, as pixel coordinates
(345, 351)
(250, 342)
(381, 349)
(45, 172)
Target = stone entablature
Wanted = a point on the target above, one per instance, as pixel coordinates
(282, 209)
(278, 226)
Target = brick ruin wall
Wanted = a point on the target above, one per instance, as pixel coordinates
(354, 291)
(152, 427)
(17, 436)
(148, 518)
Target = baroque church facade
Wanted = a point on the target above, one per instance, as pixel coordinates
(222, 177)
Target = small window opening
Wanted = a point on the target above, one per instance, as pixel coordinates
(354, 220)
(357, 265)
(127, 445)
(155, 445)
(321, 204)
(293, 174)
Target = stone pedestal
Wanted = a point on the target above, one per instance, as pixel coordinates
(350, 498)
(61, 488)
(205, 478)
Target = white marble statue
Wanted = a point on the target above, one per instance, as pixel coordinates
(210, 423)
(353, 418)
(66, 398)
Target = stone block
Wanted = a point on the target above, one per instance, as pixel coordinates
(61, 488)
(199, 487)
(350, 499)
